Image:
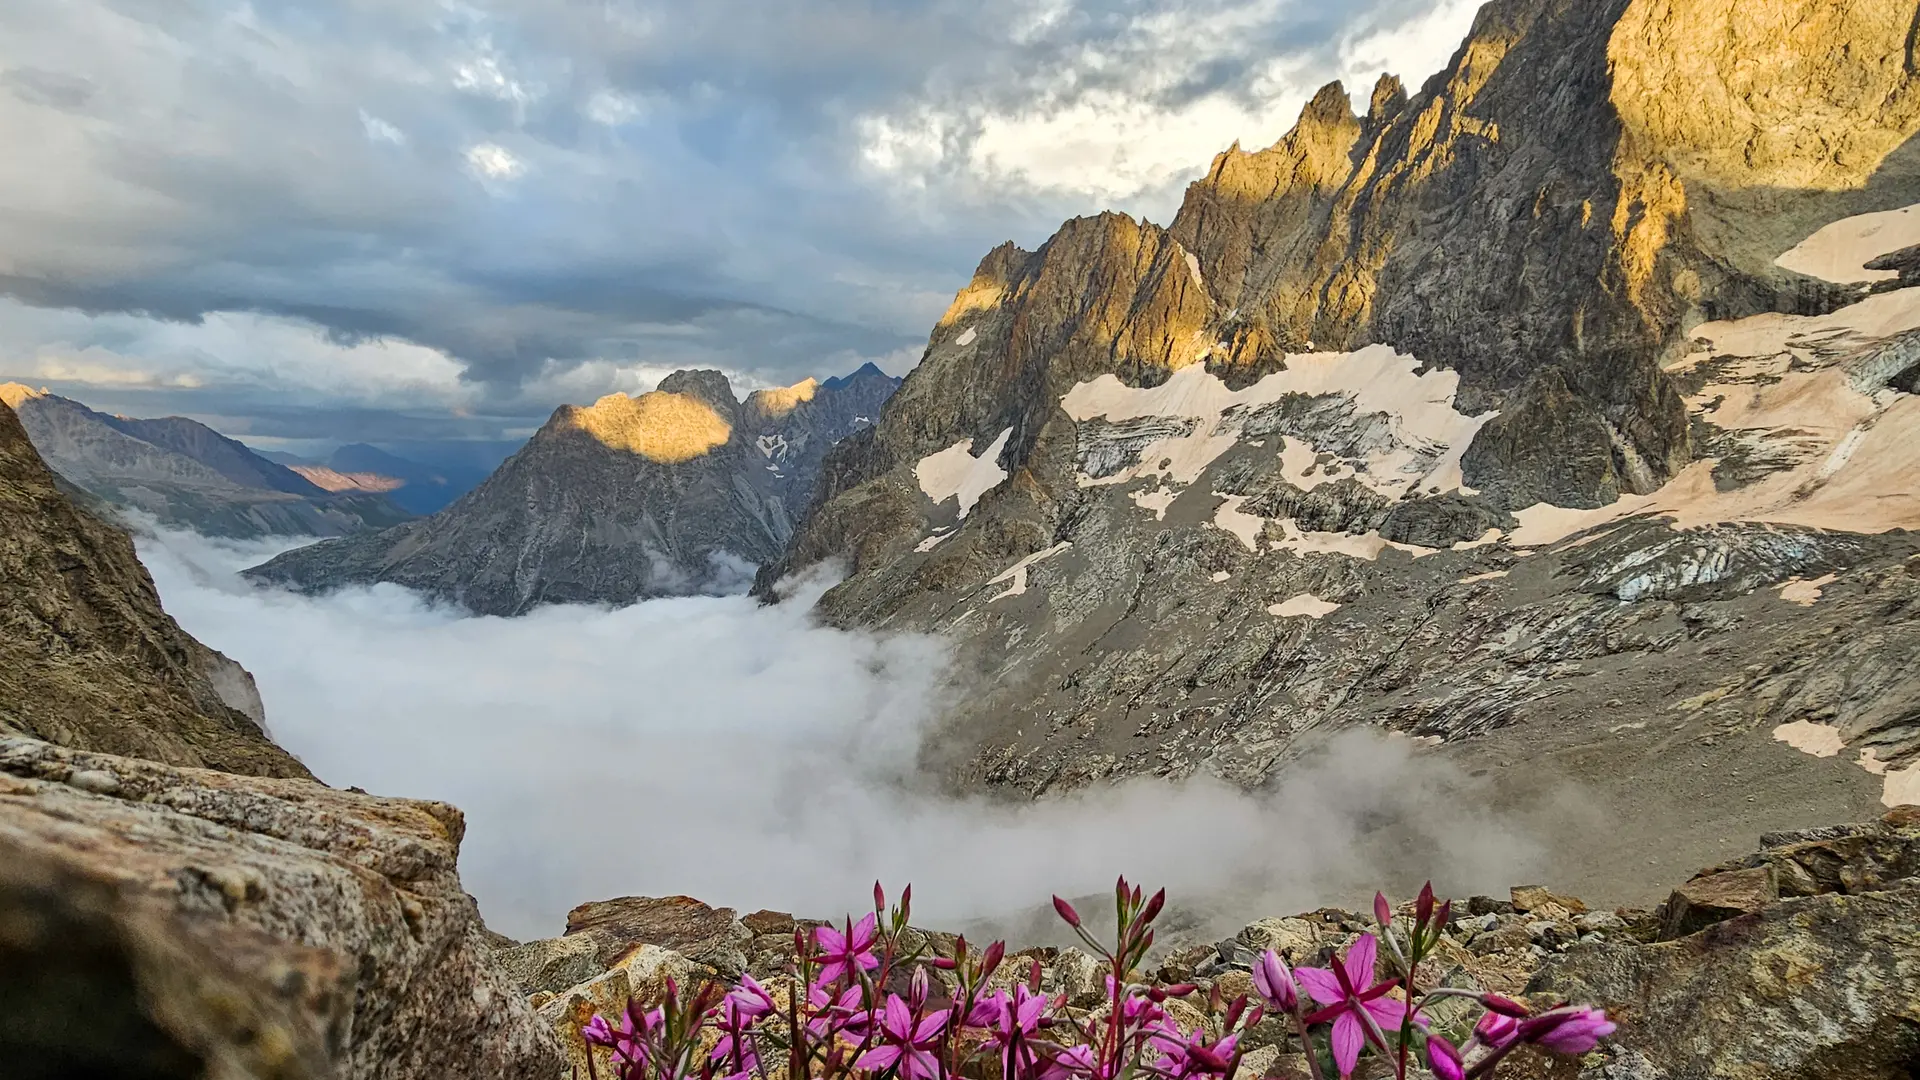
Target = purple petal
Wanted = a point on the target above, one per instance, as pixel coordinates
(830, 940)
(1347, 1040)
(899, 1019)
(864, 933)
(1322, 984)
(878, 1058)
(1359, 962)
(930, 1026)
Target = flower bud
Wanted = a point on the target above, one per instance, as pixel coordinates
(879, 898)
(1382, 911)
(1153, 906)
(1423, 908)
(1505, 1006)
(1066, 912)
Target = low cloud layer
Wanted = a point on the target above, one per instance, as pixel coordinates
(752, 758)
(547, 201)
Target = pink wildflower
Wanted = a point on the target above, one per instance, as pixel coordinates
(830, 1014)
(1567, 1031)
(1496, 1029)
(906, 1041)
(1355, 1011)
(751, 999)
(1015, 1028)
(1192, 1056)
(843, 952)
(1274, 982)
(1444, 1059)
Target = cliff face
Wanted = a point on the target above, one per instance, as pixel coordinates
(682, 490)
(1382, 428)
(87, 657)
(187, 475)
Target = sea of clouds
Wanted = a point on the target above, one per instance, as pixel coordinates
(747, 755)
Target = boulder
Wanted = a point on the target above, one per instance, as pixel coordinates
(551, 965)
(187, 922)
(705, 935)
(1716, 898)
(639, 976)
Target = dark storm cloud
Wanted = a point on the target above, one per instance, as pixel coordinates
(535, 189)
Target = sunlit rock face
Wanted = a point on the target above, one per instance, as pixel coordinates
(681, 490)
(1542, 396)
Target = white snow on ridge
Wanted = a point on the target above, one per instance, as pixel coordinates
(1015, 576)
(1305, 604)
(956, 473)
(1839, 253)
(1849, 455)
(1428, 434)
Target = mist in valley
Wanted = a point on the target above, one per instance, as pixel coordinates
(748, 756)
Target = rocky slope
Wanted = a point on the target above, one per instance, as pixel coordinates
(180, 923)
(677, 491)
(1572, 394)
(87, 657)
(185, 474)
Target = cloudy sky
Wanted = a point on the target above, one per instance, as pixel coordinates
(389, 219)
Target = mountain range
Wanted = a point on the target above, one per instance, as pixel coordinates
(187, 475)
(414, 486)
(685, 489)
(1559, 414)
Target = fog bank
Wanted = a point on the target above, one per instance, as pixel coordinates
(749, 757)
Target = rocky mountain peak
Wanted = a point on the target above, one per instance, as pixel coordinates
(707, 385)
(14, 394)
(679, 490)
(776, 403)
(661, 426)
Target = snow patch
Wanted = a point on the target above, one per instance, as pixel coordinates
(1808, 737)
(1305, 604)
(1245, 526)
(931, 542)
(966, 337)
(1426, 434)
(955, 473)
(1157, 500)
(1221, 575)
(1491, 575)
(1805, 593)
(1839, 253)
(1016, 575)
(1785, 388)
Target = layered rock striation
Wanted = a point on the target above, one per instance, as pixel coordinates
(682, 490)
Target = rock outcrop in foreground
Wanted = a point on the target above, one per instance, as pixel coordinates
(87, 657)
(183, 923)
(1800, 962)
(682, 490)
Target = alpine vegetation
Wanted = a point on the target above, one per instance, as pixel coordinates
(887, 1001)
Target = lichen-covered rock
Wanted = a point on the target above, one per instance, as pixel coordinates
(552, 964)
(639, 976)
(1813, 987)
(245, 926)
(706, 935)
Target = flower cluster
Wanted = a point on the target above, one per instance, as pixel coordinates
(878, 1005)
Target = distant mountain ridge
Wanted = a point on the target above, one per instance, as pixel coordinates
(187, 475)
(682, 490)
(414, 486)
